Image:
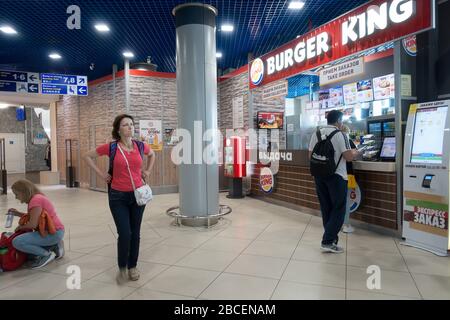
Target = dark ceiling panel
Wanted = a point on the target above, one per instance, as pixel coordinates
(147, 28)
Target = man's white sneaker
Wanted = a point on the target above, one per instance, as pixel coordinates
(347, 228)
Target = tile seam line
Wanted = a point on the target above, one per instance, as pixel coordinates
(290, 259)
(239, 254)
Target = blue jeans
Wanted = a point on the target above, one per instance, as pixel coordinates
(128, 218)
(332, 194)
(33, 243)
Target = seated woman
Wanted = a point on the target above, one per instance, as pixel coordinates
(48, 231)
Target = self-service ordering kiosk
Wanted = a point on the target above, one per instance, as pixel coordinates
(426, 177)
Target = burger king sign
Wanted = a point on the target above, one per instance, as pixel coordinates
(257, 72)
(266, 180)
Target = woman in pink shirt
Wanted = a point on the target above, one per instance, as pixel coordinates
(33, 242)
(126, 212)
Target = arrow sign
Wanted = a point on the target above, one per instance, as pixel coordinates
(81, 80)
(33, 88)
(33, 77)
(82, 91)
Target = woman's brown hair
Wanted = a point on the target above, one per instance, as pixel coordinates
(116, 125)
(25, 188)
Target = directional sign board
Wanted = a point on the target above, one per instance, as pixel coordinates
(21, 82)
(64, 84)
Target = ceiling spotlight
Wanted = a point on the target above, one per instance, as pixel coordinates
(8, 30)
(102, 27)
(219, 55)
(128, 54)
(227, 28)
(55, 56)
(296, 5)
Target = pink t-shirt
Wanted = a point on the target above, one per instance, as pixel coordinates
(121, 178)
(39, 200)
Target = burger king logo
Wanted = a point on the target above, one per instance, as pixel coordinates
(266, 180)
(410, 45)
(257, 72)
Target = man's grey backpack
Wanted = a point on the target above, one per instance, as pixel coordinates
(322, 162)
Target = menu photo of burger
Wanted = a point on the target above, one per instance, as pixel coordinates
(384, 87)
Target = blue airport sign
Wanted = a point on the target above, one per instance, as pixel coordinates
(53, 89)
(19, 87)
(64, 84)
(13, 76)
(31, 77)
(8, 86)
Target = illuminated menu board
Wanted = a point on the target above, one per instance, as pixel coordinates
(364, 91)
(384, 87)
(336, 98)
(350, 93)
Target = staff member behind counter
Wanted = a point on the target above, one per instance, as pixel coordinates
(331, 187)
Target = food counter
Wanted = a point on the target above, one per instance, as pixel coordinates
(294, 185)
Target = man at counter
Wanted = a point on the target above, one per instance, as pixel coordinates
(331, 187)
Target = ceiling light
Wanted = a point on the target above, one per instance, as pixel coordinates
(219, 55)
(128, 54)
(4, 105)
(55, 56)
(8, 30)
(227, 28)
(296, 5)
(102, 27)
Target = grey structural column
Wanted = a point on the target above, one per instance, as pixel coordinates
(127, 85)
(197, 101)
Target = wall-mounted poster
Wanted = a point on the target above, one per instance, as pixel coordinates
(150, 132)
(350, 93)
(324, 96)
(384, 87)
(365, 91)
(336, 98)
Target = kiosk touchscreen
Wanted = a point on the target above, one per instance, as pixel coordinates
(426, 177)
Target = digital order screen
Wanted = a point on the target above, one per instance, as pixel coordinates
(388, 150)
(428, 137)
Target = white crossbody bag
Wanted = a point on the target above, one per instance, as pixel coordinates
(143, 194)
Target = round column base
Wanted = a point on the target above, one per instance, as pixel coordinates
(205, 221)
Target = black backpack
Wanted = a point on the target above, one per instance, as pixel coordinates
(322, 162)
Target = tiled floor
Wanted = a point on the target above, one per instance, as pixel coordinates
(260, 251)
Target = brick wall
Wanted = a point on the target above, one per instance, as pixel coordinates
(88, 121)
(227, 90)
